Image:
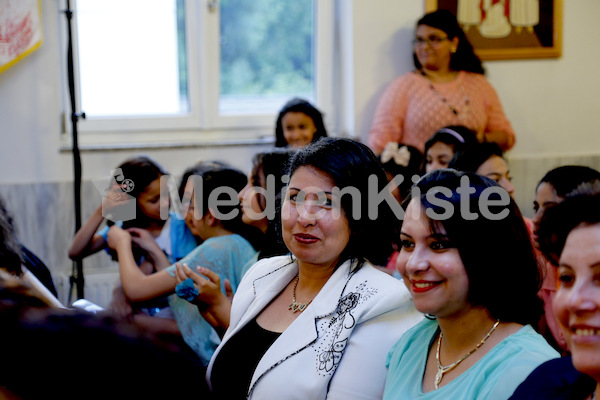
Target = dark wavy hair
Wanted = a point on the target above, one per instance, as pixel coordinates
(299, 105)
(10, 249)
(470, 158)
(208, 176)
(214, 179)
(465, 58)
(198, 169)
(350, 163)
(559, 220)
(498, 256)
(567, 178)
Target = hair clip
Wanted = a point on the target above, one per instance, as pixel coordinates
(400, 155)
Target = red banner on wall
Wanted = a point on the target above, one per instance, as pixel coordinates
(20, 30)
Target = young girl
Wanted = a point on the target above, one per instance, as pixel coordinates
(138, 178)
(444, 143)
(219, 226)
(267, 171)
(485, 159)
(298, 124)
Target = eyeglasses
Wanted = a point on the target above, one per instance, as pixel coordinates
(431, 40)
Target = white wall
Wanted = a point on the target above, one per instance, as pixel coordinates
(552, 103)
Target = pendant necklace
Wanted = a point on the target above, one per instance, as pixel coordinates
(467, 109)
(441, 370)
(294, 305)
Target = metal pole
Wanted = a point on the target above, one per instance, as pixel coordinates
(77, 277)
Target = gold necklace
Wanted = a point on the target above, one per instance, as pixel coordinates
(294, 305)
(441, 370)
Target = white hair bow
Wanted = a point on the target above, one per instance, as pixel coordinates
(400, 155)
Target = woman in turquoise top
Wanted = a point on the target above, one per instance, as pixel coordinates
(468, 262)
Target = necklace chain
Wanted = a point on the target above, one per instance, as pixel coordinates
(467, 108)
(294, 305)
(441, 370)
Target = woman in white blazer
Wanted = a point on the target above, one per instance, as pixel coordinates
(318, 323)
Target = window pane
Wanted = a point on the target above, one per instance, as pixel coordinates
(267, 54)
(132, 57)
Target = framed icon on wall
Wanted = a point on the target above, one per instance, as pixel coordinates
(508, 29)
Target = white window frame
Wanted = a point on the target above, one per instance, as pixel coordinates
(203, 123)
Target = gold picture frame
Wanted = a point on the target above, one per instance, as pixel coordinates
(497, 33)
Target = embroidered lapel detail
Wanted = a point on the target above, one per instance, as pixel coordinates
(333, 336)
(333, 315)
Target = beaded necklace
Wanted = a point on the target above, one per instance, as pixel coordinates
(467, 108)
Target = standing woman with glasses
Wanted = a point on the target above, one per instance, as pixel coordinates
(447, 87)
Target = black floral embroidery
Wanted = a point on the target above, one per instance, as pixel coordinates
(329, 359)
(339, 328)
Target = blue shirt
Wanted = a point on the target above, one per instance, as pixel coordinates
(226, 256)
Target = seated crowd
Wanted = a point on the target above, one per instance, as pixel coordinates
(341, 297)
(331, 269)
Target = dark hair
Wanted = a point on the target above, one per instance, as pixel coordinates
(141, 171)
(456, 136)
(407, 168)
(10, 248)
(559, 220)
(216, 178)
(350, 164)
(198, 169)
(274, 163)
(465, 58)
(299, 105)
(497, 254)
(567, 178)
(471, 157)
(77, 348)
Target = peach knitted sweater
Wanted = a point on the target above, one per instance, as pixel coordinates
(410, 111)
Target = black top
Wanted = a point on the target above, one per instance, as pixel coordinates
(235, 364)
(555, 379)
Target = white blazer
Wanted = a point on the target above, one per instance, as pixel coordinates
(337, 347)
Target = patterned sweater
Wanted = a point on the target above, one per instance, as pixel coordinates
(412, 109)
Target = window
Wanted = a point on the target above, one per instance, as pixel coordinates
(193, 66)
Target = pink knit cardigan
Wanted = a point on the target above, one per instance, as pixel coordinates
(410, 111)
